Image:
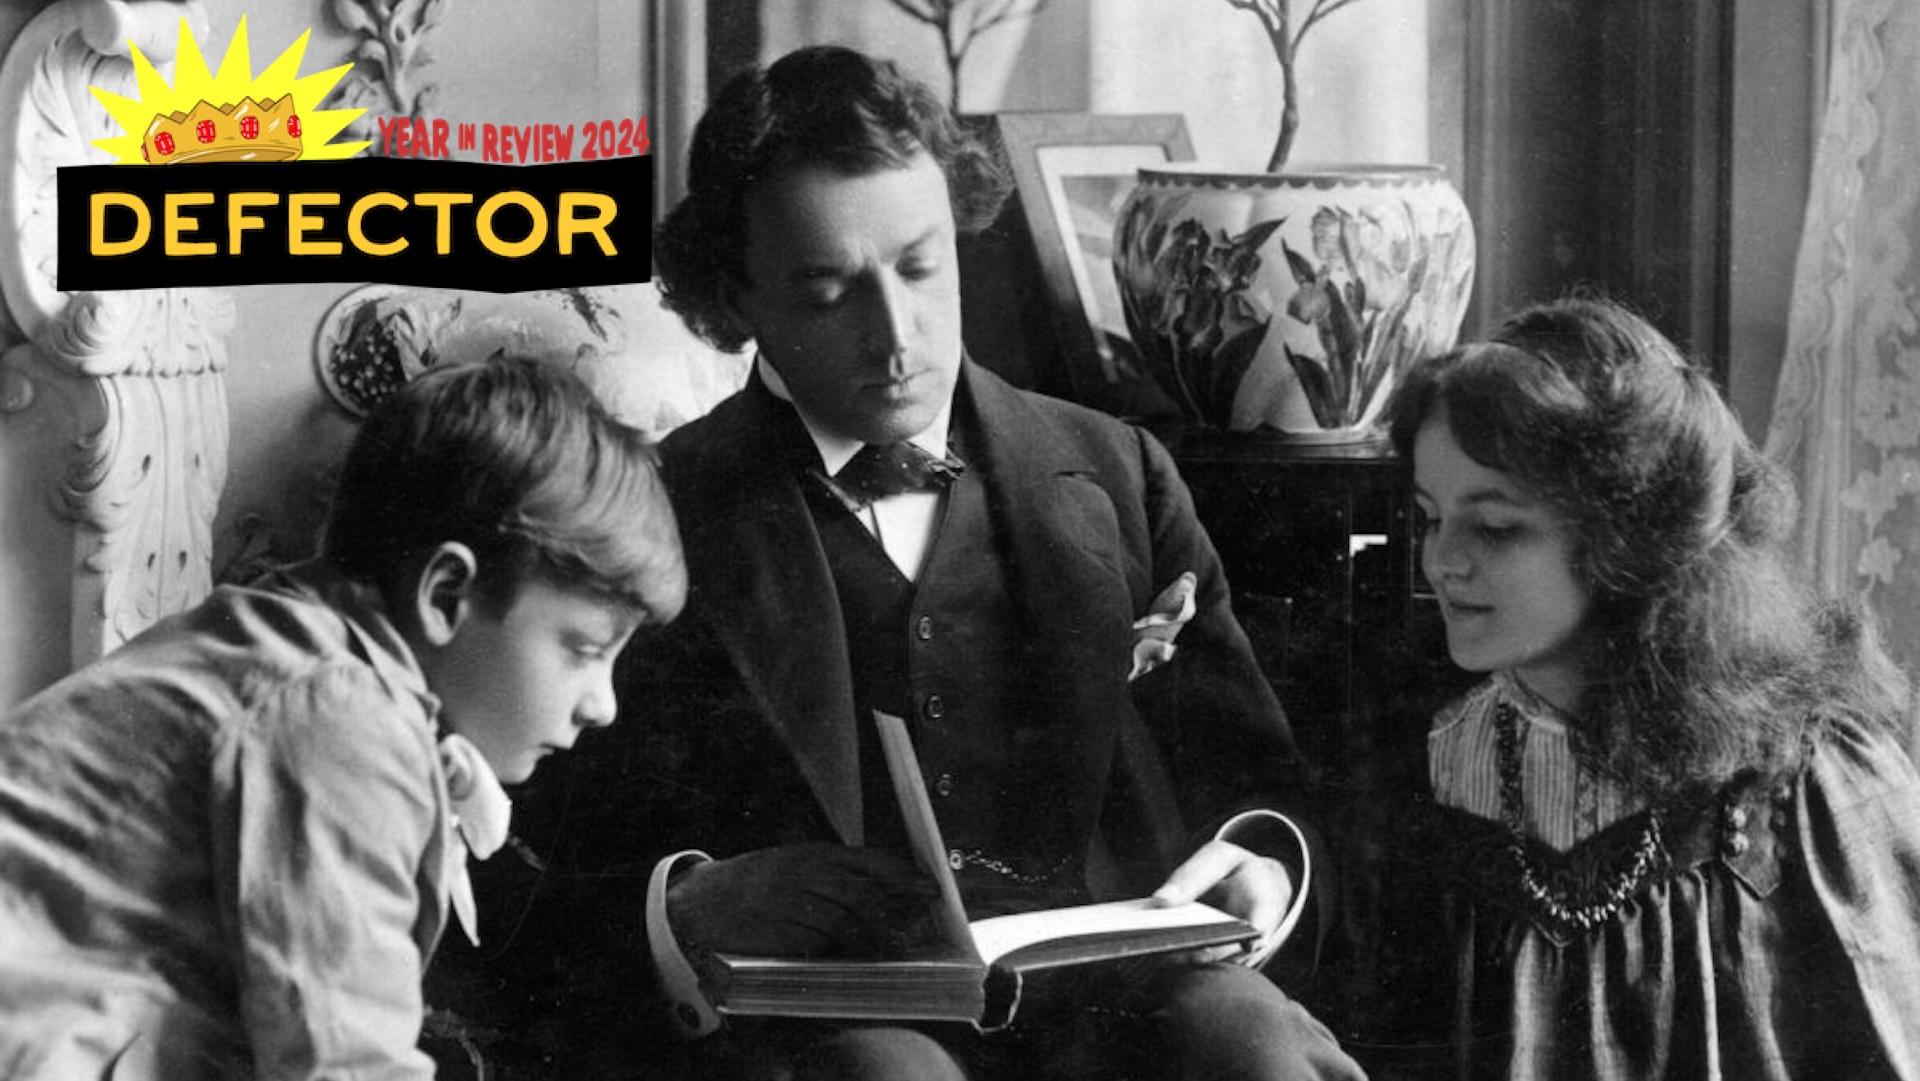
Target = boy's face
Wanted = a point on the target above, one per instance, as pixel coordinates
(523, 682)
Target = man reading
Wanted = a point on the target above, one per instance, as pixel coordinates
(876, 522)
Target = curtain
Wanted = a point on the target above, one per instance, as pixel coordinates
(1846, 417)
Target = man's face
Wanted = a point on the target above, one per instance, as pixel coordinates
(854, 296)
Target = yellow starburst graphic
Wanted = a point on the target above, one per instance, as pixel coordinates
(229, 116)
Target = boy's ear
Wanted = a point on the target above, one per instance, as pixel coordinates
(443, 595)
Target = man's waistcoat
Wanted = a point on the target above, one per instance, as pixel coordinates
(950, 654)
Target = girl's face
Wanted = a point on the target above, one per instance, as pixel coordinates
(1501, 561)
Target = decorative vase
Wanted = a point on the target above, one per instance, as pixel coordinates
(1291, 300)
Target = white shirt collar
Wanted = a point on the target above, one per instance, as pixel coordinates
(835, 449)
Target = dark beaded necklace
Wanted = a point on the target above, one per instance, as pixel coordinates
(1558, 908)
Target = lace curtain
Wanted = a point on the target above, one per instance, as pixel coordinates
(1846, 417)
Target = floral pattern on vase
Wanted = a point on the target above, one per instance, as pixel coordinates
(1292, 301)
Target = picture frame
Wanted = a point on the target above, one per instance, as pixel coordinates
(1071, 172)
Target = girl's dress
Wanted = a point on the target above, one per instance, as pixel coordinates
(1774, 933)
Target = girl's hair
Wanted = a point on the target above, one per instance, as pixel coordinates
(517, 460)
(1709, 657)
(823, 106)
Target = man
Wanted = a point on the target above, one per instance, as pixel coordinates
(995, 607)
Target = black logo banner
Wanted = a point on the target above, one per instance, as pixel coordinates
(447, 224)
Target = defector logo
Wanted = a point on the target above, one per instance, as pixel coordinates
(323, 210)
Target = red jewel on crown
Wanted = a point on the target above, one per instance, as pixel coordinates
(163, 142)
(249, 127)
(204, 131)
(293, 126)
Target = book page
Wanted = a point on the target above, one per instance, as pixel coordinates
(1001, 935)
(923, 832)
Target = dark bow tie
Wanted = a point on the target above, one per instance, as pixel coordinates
(881, 470)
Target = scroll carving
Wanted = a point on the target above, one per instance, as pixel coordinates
(387, 60)
(142, 372)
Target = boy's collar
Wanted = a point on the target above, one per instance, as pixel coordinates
(366, 616)
(480, 814)
(479, 811)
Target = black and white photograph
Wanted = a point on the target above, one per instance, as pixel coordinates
(1003, 540)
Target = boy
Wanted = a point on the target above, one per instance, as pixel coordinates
(227, 849)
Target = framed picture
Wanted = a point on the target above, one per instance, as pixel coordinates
(1071, 173)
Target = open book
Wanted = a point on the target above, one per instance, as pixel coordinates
(978, 970)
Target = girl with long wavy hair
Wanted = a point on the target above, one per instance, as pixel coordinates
(1675, 832)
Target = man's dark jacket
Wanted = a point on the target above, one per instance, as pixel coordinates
(737, 723)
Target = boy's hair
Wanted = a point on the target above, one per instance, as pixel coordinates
(519, 461)
(1711, 656)
(821, 106)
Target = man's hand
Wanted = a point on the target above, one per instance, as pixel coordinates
(804, 900)
(1235, 881)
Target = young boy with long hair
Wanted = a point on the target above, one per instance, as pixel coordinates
(228, 848)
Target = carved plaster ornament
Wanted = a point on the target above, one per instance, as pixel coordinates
(140, 371)
(387, 60)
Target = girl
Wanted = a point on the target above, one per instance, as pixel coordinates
(1675, 830)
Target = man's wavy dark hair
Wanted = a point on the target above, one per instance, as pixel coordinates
(821, 106)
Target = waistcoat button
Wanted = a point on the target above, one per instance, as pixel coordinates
(935, 708)
(924, 628)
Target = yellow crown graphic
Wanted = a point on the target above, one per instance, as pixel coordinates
(249, 131)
